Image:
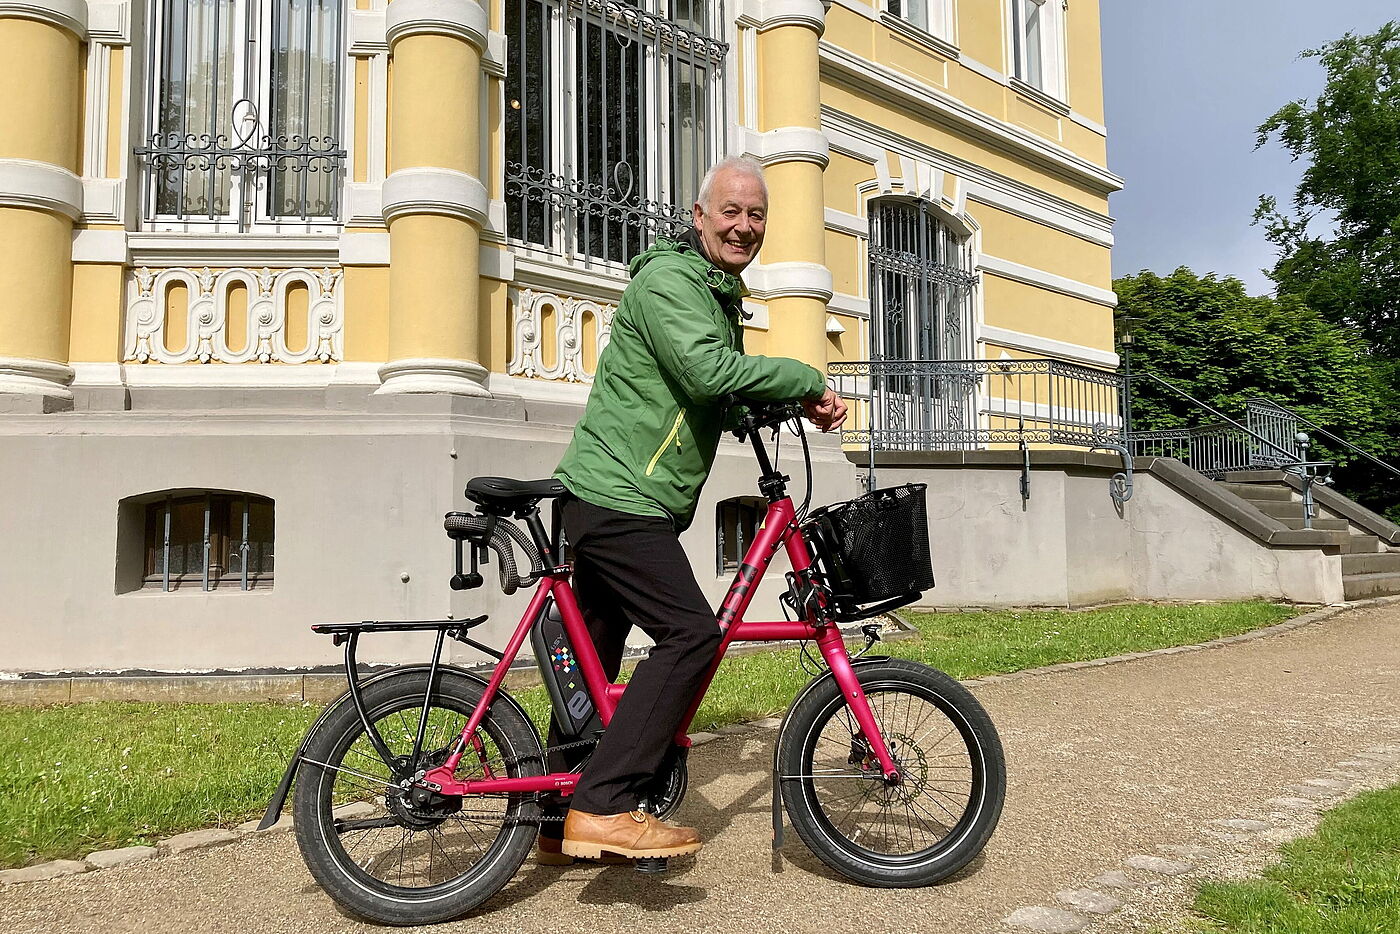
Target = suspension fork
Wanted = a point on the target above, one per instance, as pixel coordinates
(834, 651)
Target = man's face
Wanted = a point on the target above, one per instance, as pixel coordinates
(732, 228)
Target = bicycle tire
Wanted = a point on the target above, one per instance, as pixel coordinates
(919, 831)
(455, 863)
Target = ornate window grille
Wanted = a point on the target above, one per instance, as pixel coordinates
(921, 300)
(614, 111)
(244, 115)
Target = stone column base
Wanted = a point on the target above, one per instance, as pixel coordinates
(34, 386)
(458, 377)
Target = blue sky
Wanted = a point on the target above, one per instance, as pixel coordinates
(1186, 84)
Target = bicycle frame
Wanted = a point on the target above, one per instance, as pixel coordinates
(779, 530)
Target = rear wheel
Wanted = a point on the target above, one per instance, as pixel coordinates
(931, 823)
(417, 858)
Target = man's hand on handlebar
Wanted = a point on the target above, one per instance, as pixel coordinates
(828, 412)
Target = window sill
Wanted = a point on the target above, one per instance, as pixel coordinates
(227, 249)
(194, 588)
(598, 280)
(928, 40)
(1037, 96)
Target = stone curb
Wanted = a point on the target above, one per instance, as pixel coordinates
(212, 837)
(1090, 903)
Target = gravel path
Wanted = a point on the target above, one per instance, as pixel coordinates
(1107, 764)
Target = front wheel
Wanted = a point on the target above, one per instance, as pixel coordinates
(397, 859)
(931, 823)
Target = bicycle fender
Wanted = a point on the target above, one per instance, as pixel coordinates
(284, 787)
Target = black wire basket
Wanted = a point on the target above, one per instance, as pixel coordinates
(875, 547)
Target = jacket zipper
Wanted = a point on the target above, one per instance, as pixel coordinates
(673, 436)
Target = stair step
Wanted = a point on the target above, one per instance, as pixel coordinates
(1362, 586)
(1280, 510)
(1260, 491)
(1361, 545)
(1323, 525)
(1382, 562)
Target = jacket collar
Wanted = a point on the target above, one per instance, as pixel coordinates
(726, 286)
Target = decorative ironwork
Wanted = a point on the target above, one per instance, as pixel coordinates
(612, 113)
(255, 157)
(901, 405)
(215, 66)
(1266, 440)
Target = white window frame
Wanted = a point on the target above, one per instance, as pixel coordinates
(564, 101)
(260, 91)
(1052, 80)
(939, 20)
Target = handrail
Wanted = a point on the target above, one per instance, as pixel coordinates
(1292, 456)
(1323, 431)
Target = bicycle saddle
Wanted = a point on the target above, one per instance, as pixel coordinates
(512, 495)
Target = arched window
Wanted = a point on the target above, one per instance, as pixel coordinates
(244, 114)
(921, 310)
(195, 540)
(920, 284)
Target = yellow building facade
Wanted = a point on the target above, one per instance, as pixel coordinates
(255, 220)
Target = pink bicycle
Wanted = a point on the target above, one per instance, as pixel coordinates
(420, 791)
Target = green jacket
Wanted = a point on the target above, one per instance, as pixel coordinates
(648, 437)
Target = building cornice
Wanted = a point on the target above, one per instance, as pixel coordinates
(1029, 275)
(70, 15)
(42, 185)
(850, 70)
(460, 19)
(432, 190)
(861, 139)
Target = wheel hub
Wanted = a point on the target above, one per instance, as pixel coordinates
(912, 764)
(420, 808)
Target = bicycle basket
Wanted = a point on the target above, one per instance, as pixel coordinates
(874, 547)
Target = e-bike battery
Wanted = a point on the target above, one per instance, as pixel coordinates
(575, 714)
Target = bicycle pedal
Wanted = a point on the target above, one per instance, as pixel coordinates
(652, 864)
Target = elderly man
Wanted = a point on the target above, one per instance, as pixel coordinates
(639, 456)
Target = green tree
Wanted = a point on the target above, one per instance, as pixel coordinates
(1210, 338)
(1339, 246)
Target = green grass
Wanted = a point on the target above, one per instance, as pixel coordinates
(79, 778)
(1345, 879)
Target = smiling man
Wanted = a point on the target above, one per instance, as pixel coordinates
(639, 457)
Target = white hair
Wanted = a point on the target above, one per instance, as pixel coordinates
(745, 164)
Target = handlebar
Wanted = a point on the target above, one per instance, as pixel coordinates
(759, 414)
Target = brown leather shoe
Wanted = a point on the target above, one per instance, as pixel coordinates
(635, 834)
(550, 854)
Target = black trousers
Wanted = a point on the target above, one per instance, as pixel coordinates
(631, 571)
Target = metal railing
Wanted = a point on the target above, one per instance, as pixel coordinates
(960, 405)
(1266, 440)
(1296, 420)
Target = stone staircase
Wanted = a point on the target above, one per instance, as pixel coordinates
(1369, 543)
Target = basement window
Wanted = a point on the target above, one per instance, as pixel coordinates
(203, 540)
(736, 525)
